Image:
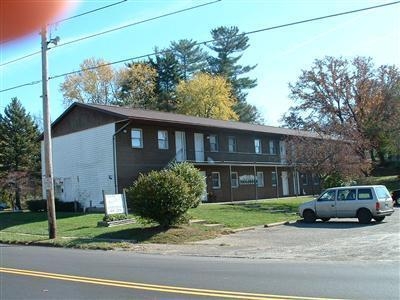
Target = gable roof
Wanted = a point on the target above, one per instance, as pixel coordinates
(157, 116)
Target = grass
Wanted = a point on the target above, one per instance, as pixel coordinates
(81, 231)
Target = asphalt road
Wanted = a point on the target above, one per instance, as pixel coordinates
(51, 273)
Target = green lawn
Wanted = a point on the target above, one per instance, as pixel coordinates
(79, 230)
(391, 182)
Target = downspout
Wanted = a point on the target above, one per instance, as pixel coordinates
(255, 181)
(277, 182)
(115, 155)
(230, 177)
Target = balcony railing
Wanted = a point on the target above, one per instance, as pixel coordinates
(212, 157)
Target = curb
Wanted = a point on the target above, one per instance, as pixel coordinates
(279, 223)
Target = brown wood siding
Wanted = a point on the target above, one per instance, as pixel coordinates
(81, 118)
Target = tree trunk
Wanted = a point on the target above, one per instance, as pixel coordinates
(17, 197)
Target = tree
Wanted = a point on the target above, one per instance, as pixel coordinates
(137, 86)
(20, 148)
(190, 57)
(206, 96)
(168, 78)
(229, 46)
(165, 196)
(349, 100)
(95, 84)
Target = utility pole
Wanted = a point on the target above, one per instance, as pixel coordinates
(48, 157)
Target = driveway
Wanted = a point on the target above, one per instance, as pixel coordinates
(338, 239)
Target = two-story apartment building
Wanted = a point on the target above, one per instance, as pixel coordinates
(97, 147)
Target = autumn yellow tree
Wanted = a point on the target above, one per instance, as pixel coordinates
(95, 83)
(206, 96)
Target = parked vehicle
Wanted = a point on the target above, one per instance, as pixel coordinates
(3, 206)
(396, 197)
(362, 202)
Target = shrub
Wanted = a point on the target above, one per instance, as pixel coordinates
(193, 178)
(67, 206)
(37, 205)
(161, 196)
(115, 217)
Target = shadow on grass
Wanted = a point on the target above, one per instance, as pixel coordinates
(133, 234)
(10, 219)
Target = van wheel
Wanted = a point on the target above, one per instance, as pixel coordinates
(364, 216)
(309, 216)
(379, 219)
(325, 219)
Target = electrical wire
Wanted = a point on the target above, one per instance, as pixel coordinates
(209, 41)
(113, 29)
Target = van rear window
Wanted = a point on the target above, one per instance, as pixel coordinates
(364, 194)
(382, 192)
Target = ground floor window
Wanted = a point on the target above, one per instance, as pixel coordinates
(234, 179)
(273, 178)
(260, 179)
(216, 180)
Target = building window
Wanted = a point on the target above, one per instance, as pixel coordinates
(304, 178)
(260, 179)
(316, 179)
(234, 179)
(162, 139)
(273, 177)
(137, 138)
(216, 181)
(272, 147)
(232, 144)
(257, 146)
(214, 143)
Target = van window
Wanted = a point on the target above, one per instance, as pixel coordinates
(328, 196)
(382, 192)
(347, 194)
(364, 194)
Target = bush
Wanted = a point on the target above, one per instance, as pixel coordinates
(41, 205)
(193, 178)
(37, 205)
(116, 217)
(161, 196)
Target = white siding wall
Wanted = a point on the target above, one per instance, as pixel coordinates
(83, 165)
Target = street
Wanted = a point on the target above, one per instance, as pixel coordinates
(122, 275)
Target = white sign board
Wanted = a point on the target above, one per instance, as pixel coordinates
(114, 204)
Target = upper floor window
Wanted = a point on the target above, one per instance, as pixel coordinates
(214, 143)
(272, 147)
(137, 138)
(257, 146)
(232, 144)
(162, 139)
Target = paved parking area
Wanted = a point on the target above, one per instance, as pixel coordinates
(338, 239)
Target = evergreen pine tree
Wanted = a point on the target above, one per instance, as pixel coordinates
(20, 148)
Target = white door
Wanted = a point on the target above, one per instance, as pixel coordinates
(282, 150)
(285, 183)
(180, 145)
(199, 146)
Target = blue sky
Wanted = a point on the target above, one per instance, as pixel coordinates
(279, 54)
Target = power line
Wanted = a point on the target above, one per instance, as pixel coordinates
(209, 41)
(79, 15)
(139, 22)
(88, 12)
(117, 28)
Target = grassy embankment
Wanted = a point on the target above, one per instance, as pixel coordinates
(81, 231)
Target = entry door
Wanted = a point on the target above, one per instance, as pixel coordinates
(285, 183)
(180, 145)
(199, 147)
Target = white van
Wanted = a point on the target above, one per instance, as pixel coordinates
(362, 202)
